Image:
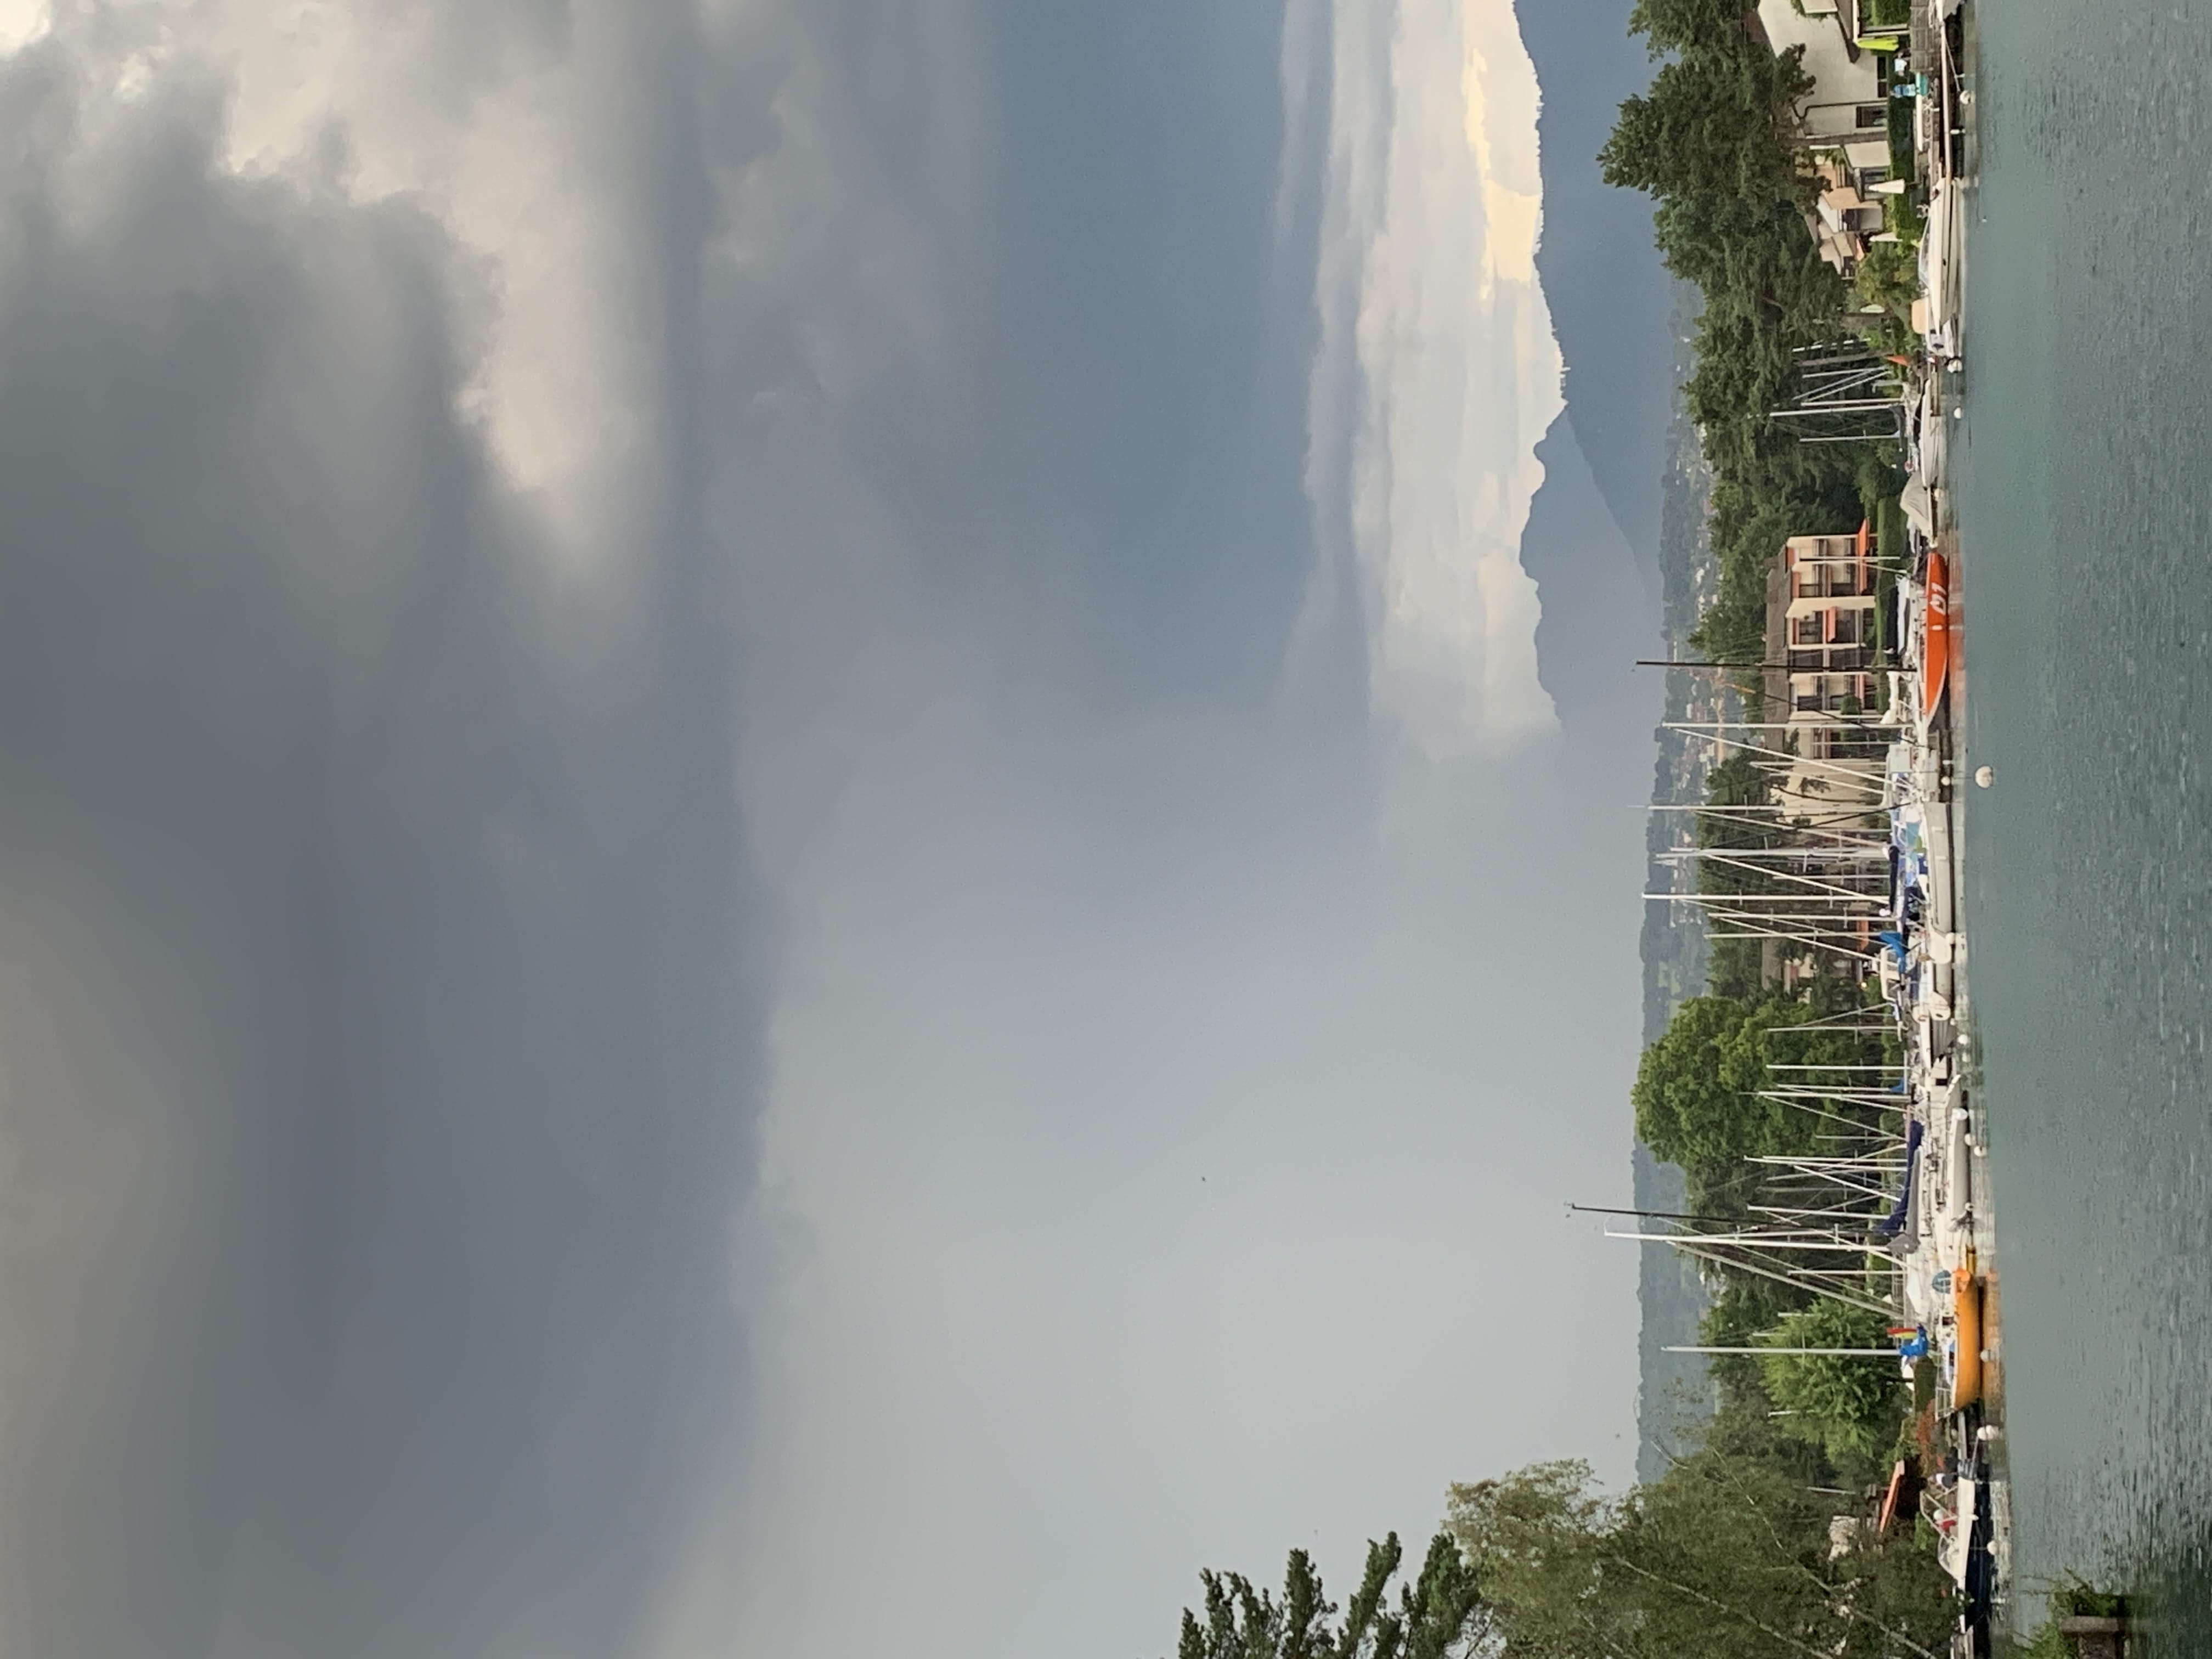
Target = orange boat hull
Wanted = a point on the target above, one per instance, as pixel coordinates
(1936, 650)
(1967, 1312)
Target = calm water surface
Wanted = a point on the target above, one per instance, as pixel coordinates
(2085, 497)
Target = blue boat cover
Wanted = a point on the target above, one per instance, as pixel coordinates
(1895, 1219)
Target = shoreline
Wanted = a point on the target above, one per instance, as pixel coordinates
(1949, 159)
(1896, 772)
(1961, 80)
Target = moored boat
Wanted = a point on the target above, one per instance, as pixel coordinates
(1936, 637)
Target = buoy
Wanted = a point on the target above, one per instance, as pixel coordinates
(1984, 776)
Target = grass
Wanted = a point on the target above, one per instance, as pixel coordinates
(1889, 538)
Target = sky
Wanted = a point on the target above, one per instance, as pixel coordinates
(796, 837)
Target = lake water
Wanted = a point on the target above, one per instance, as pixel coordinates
(2086, 500)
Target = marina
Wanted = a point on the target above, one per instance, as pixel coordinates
(1848, 866)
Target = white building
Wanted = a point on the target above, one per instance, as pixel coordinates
(1847, 109)
(1821, 636)
(1843, 121)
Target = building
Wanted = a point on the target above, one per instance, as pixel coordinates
(1849, 213)
(1822, 638)
(1830, 618)
(1846, 110)
(1844, 123)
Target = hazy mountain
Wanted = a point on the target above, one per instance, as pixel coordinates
(1592, 544)
(1601, 276)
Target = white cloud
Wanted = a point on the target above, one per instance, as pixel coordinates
(24, 23)
(506, 123)
(1437, 372)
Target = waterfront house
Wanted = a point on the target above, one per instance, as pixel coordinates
(1821, 686)
(1828, 615)
(1821, 640)
(1843, 123)
(1848, 214)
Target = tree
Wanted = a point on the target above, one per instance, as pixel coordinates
(1696, 1088)
(1713, 141)
(1716, 120)
(1704, 1091)
(1851, 1407)
(1440, 1615)
(1727, 1556)
(1684, 25)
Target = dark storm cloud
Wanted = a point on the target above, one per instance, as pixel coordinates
(380, 1021)
(1035, 309)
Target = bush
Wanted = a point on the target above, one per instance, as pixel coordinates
(1889, 276)
(2077, 1598)
(1902, 215)
(1904, 158)
(1850, 1405)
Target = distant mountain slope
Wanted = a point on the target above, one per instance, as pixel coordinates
(1675, 1394)
(1610, 588)
(1601, 276)
(1601, 609)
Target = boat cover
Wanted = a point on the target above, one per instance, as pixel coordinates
(1895, 1219)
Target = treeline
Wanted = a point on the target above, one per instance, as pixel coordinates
(1709, 1099)
(1760, 1542)
(1734, 1553)
(1713, 142)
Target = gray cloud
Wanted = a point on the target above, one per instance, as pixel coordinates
(1174, 1082)
(381, 1023)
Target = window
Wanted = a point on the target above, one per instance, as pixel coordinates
(1872, 117)
(1806, 631)
(1846, 631)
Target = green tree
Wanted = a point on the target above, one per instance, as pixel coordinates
(1699, 1089)
(1704, 1091)
(1717, 120)
(1696, 1095)
(1685, 25)
(1889, 276)
(1852, 1407)
(1729, 1555)
(1441, 1615)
